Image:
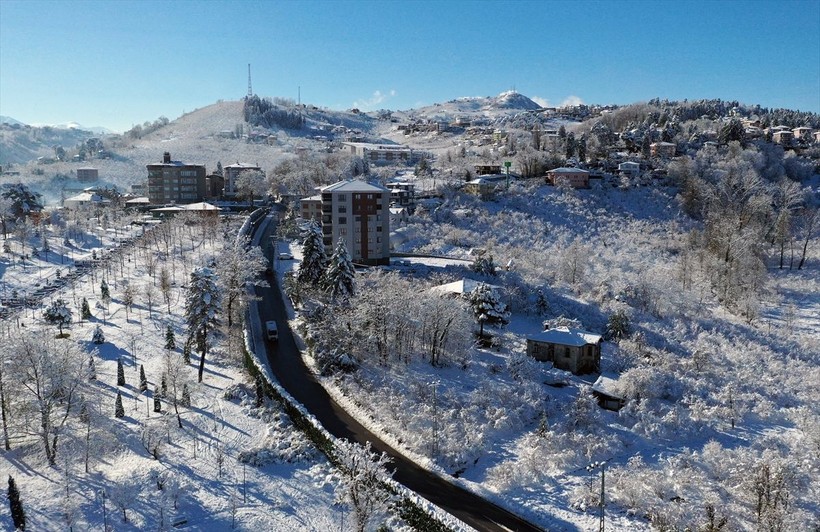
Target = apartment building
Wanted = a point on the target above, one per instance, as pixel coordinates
(232, 172)
(359, 212)
(175, 182)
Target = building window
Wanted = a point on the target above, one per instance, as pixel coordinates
(342, 209)
(343, 219)
(343, 231)
(357, 196)
(342, 197)
(379, 229)
(370, 196)
(379, 239)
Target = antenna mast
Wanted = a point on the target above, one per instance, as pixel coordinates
(250, 90)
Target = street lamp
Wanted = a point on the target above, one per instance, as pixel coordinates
(602, 466)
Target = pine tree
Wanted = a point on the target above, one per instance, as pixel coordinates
(143, 380)
(18, 514)
(164, 386)
(338, 279)
(202, 305)
(314, 258)
(85, 417)
(120, 373)
(58, 314)
(260, 391)
(170, 341)
(105, 293)
(98, 337)
(85, 310)
(119, 411)
(487, 307)
(92, 369)
(186, 396)
(186, 353)
(157, 403)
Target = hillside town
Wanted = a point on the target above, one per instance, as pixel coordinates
(520, 301)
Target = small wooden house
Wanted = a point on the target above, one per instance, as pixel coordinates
(606, 391)
(569, 349)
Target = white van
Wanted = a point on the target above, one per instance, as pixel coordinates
(271, 331)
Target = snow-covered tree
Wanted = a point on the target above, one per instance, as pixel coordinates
(157, 402)
(484, 265)
(170, 340)
(252, 183)
(119, 410)
(129, 294)
(58, 314)
(362, 480)
(23, 201)
(202, 306)
(618, 325)
(98, 337)
(120, 373)
(52, 375)
(339, 277)
(105, 292)
(488, 307)
(314, 258)
(85, 310)
(143, 379)
(237, 264)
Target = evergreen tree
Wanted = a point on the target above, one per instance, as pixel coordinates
(484, 266)
(105, 293)
(120, 373)
(163, 386)
(618, 326)
(85, 417)
(92, 369)
(202, 304)
(186, 352)
(487, 307)
(85, 310)
(186, 396)
(157, 402)
(646, 145)
(338, 278)
(58, 314)
(314, 258)
(260, 391)
(119, 411)
(18, 514)
(98, 337)
(170, 342)
(143, 380)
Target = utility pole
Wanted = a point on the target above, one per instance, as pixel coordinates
(602, 466)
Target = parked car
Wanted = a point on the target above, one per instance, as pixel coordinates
(285, 256)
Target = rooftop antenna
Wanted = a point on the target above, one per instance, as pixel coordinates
(250, 89)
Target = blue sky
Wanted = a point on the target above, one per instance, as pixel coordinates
(119, 63)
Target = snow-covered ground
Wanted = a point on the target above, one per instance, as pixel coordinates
(285, 485)
(721, 390)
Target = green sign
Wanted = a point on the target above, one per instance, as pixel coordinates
(507, 164)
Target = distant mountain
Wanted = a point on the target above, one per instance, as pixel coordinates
(99, 130)
(10, 120)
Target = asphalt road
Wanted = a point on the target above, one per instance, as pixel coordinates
(288, 367)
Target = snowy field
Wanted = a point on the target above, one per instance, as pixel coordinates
(142, 471)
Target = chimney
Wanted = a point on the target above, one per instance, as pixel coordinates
(166, 157)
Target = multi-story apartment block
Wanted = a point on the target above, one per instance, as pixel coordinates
(380, 153)
(175, 182)
(232, 172)
(87, 173)
(360, 213)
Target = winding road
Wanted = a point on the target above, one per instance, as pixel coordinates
(286, 363)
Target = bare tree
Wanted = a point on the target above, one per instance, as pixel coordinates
(51, 374)
(362, 480)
